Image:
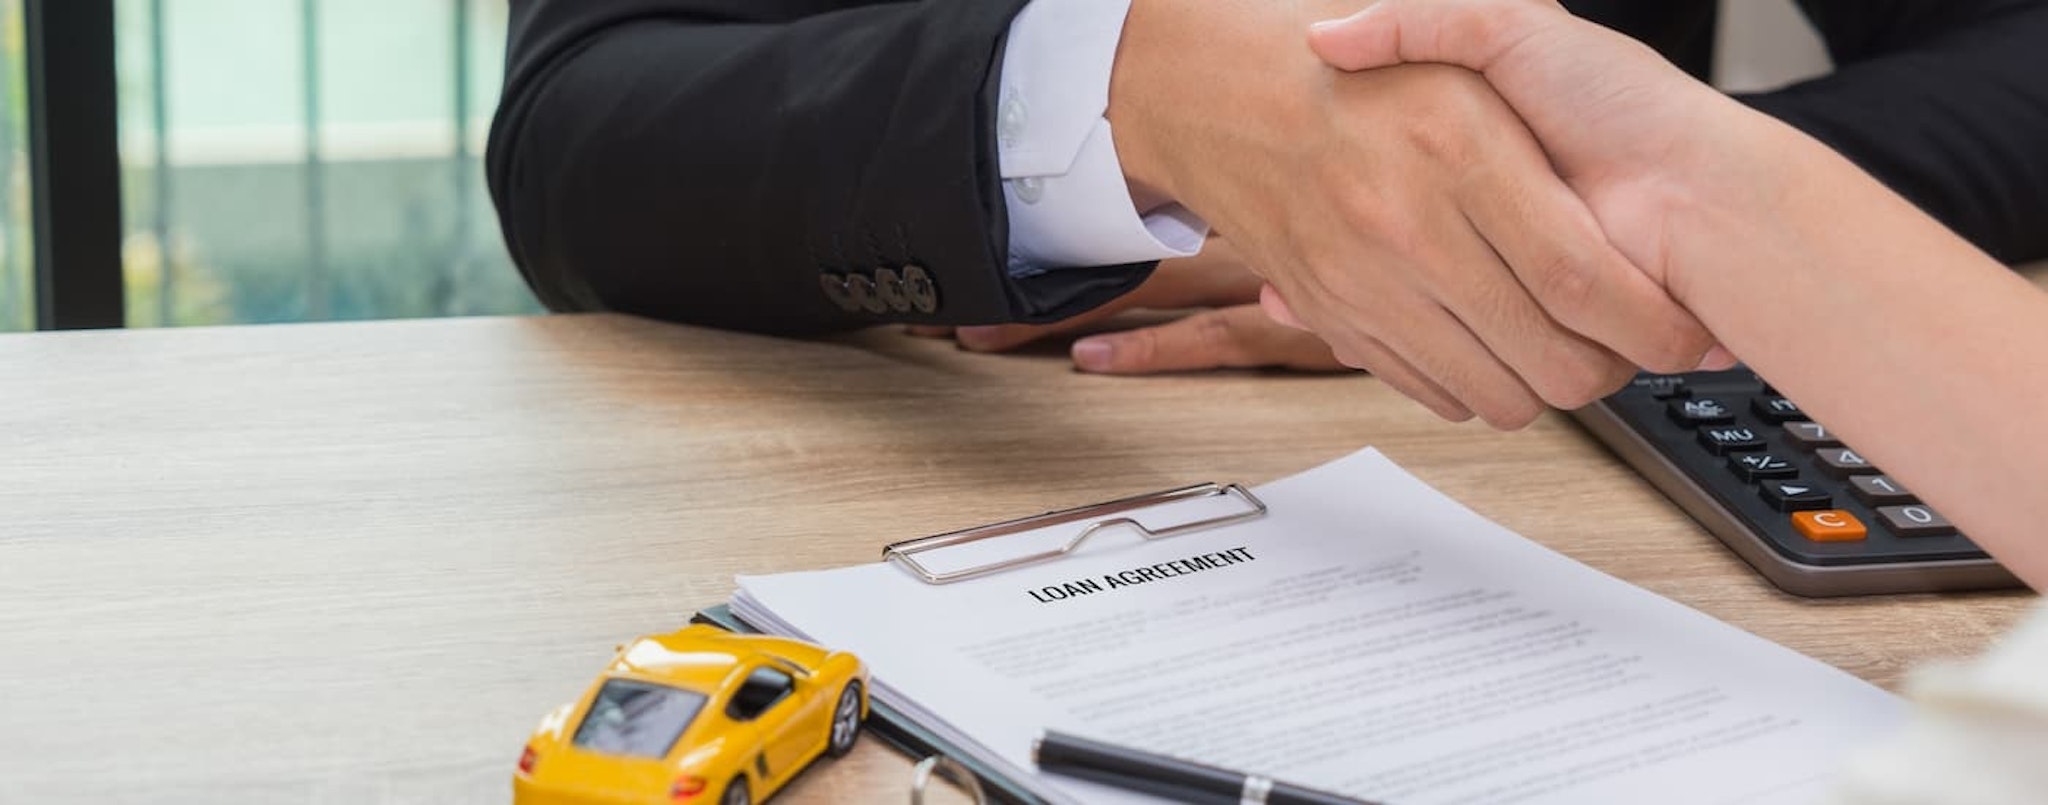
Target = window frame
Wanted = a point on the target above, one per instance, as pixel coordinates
(74, 163)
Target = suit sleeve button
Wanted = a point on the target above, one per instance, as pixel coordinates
(890, 286)
(918, 285)
(836, 290)
(865, 295)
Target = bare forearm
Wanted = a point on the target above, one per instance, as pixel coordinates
(1915, 346)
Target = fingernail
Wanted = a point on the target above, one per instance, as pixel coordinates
(1332, 23)
(1094, 354)
(1717, 359)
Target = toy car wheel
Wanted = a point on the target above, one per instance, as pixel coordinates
(845, 721)
(736, 793)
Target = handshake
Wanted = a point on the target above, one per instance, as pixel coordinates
(1476, 200)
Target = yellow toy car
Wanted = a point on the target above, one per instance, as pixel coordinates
(699, 715)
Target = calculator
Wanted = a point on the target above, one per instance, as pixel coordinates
(1803, 508)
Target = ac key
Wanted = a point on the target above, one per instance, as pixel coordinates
(1700, 411)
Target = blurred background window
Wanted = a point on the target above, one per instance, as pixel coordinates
(17, 252)
(288, 160)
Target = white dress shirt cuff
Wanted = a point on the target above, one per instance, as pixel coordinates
(1068, 203)
(1085, 217)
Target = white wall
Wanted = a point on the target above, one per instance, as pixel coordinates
(1765, 44)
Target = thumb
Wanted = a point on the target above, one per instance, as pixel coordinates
(1469, 33)
(1236, 337)
(1212, 339)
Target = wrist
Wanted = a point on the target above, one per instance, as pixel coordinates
(1196, 81)
(1731, 193)
(1132, 90)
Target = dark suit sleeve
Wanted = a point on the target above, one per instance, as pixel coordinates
(1946, 101)
(737, 163)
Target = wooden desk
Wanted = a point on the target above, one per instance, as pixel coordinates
(356, 562)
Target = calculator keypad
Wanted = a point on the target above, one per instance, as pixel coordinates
(1760, 455)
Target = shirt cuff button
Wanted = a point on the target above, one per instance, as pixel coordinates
(1028, 189)
(1010, 120)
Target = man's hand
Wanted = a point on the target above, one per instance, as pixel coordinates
(1233, 333)
(1406, 216)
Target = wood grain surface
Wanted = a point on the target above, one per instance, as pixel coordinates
(357, 562)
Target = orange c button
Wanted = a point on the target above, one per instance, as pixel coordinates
(1829, 525)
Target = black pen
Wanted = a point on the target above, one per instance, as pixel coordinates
(1172, 778)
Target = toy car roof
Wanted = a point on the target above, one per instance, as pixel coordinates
(703, 657)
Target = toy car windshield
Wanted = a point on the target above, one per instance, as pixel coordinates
(637, 719)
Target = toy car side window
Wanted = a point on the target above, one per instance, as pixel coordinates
(763, 687)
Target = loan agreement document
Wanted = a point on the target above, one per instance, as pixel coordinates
(1368, 636)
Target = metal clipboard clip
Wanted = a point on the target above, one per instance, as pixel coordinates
(906, 552)
(946, 768)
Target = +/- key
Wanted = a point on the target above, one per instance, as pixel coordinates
(1754, 467)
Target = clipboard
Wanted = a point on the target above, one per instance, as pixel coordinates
(905, 734)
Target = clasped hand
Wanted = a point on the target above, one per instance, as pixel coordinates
(1405, 216)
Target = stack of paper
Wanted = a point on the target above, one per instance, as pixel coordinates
(1369, 636)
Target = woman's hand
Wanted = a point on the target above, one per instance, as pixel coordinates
(1635, 136)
